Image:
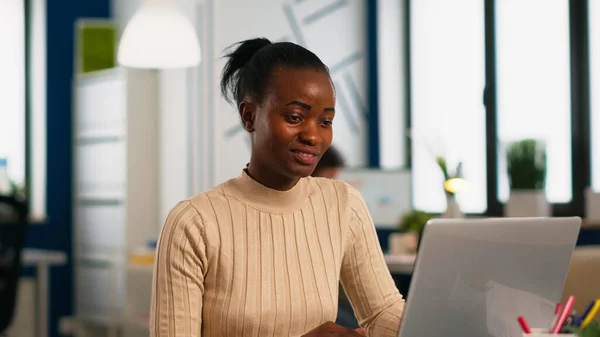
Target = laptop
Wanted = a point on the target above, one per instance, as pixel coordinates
(473, 278)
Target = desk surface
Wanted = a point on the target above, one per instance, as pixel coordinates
(396, 263)
(400, 264)
(32, 257)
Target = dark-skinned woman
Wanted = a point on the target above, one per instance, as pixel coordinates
(262, 254)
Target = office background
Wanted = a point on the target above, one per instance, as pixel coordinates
(415, 79)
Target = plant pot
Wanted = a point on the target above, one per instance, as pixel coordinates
(545, 333)
(592, 205)
(527, 203)
(402, 243)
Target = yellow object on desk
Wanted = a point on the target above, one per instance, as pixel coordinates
(142, 256)
(141, 259)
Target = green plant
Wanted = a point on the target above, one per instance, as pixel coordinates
(443, 165)
(413, 221)
(17, 191)
(441, 161)
(526, 161)
(591, 330)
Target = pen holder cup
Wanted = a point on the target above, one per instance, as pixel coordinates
(545, 333)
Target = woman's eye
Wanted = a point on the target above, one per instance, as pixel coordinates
(293, 119)
(326, 122)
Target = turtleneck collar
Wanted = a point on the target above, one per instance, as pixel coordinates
(256, 195)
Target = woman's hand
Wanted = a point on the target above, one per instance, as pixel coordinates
(331, 329)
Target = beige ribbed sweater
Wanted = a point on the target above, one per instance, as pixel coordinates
(246, 260)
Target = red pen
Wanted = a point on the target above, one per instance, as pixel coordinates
(563, 315)
(524, 324)
(556, 313)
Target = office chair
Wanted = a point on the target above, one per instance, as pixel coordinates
(13, 224)
(582, 279)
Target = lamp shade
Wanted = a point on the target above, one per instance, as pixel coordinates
(159, 36)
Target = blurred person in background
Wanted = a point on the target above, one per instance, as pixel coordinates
(330, 165)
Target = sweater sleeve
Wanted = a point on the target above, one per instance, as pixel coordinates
(178, 280)
(365, 277)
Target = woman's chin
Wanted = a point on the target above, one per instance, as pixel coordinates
(301, 171)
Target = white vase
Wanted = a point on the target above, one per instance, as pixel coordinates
(527, 203)
(452, 208)
(592, 205)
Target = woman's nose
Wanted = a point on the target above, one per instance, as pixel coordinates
(310, 133)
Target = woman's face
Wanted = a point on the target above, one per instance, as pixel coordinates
(292, 127)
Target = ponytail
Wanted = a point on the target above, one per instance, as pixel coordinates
(230, 77)
(251, 64)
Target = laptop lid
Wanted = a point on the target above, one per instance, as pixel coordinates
(475, 277)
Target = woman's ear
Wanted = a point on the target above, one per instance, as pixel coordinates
(247, 112)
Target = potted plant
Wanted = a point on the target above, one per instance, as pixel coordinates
(451, 183)
(591, 330)
(526, 165)
(410, 227)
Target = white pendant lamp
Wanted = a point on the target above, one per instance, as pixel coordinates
(159, 36)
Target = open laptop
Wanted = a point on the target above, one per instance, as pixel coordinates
(475, 277)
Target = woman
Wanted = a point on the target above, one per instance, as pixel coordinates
(262, 254)
(330, 166)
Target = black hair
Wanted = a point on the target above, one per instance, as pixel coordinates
(332, 158)
(251, 65)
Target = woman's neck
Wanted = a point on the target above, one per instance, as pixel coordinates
(255, 194)
(269, 178)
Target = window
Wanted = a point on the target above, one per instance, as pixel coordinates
(12, 88)
(391, 84)
(447, 111)
(532, 56)
(533, 86)
(594, 49)
(37, 97)
(13, 84)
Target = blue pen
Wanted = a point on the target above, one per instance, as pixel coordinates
(580, 319)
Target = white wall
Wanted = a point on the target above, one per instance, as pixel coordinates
(196, 151)
(122, 10)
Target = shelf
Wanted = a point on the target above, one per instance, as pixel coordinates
(99, 201)
(97, 261)
(99, 320)
(101, 75)
(148, 268)
(139, 320)
(116, 172)
(92, 139)
(113, 127)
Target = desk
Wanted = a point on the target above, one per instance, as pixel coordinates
(400, 264)
(42, 260)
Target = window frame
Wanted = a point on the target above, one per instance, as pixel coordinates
(35, 111)
(28, 108)
(580, 107)
(19, 174)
